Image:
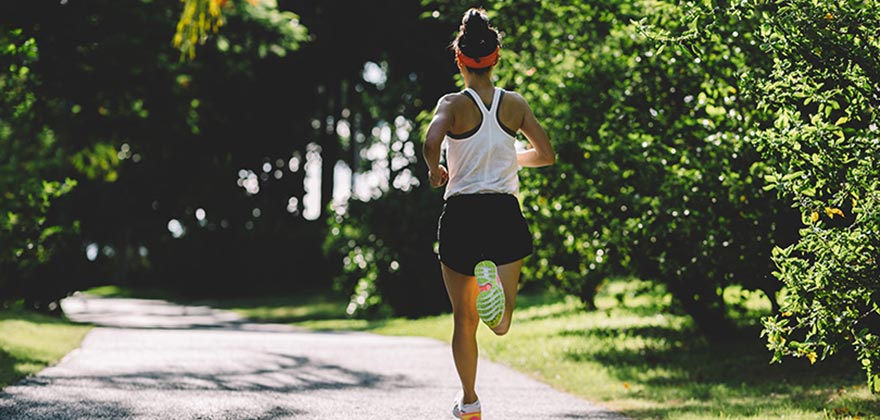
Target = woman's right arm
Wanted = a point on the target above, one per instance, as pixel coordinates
(437, 129)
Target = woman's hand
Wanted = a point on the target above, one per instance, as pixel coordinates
(438, 177)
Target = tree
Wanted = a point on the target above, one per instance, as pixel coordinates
(380, 82)
(167, 208)
(820, 146)
(155, 143)
(655, 176)
(29, 161)
(823, 92)
(386, 247)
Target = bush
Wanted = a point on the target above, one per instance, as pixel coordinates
(824, 145)
(820, 147)
(29, 161)
(387, 250)
(655, 175)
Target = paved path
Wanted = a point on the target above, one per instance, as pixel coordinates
(156, 360)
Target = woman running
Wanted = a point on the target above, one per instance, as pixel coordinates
(483, 236)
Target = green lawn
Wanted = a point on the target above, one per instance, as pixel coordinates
(29, 342)
(634, 354)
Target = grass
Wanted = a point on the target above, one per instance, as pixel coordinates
(634, 354)
(126, 292)
(29, 342)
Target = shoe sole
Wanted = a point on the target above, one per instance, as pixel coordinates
(459, 415)
(468, 416)
(490, 300)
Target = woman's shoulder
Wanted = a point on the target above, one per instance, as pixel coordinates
(514, 97)
(453, 99)
(513, 105)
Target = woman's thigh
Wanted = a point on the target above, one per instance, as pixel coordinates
(462, 290)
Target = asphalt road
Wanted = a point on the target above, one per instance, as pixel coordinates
(157, 360)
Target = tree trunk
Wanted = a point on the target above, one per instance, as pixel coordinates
(698, 299)
(330, 150)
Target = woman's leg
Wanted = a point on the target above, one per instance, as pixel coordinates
(509, 274)
(463, 292)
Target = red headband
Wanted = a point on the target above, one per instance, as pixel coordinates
(478, 63)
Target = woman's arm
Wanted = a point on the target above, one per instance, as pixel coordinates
(541, 153)
(437, 129)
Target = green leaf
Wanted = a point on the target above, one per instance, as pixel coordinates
(793, 175)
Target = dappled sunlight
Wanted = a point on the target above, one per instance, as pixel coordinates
(29, 342)
(176, 228)
(655, 364)
(376, 73)
(92, 251)
(566, 305)
(712, 203)
(312, 198)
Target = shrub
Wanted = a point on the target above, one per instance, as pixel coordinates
(386, 247)
(29, 160)
(655, 175)
(824, 145)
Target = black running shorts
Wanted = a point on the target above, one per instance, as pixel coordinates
(476, 227)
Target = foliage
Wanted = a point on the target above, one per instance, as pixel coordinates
(200, 18)
(823, 93)
(821, 149)
(29, 160)
(152, 141)
(376, 85)
(655, 177)
(155, 142)
(387, 253)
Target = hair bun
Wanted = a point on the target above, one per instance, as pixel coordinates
(475, 23)
(476, 38)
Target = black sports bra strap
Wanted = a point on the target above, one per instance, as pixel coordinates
(474, 100)
(475, 129)
(498, 117)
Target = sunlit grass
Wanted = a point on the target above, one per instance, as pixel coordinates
(291, 309)
(124, 292)
(634, 354)
(29, 342)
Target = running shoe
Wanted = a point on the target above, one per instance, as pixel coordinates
(466, 411)
(490, 301)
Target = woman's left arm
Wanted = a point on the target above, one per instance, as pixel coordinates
(541, 153)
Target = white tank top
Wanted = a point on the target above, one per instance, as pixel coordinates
(484, 161)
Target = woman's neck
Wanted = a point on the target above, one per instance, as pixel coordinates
(478, 81)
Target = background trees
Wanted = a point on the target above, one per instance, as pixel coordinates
(151, 141)
(820, 146)
(673, 134)
(209, 175)
(701, 146)
(824, 150)
(655, 176)
(29, 172)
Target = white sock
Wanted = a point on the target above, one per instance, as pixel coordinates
(470, 408)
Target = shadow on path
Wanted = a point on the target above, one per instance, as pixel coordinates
(157, 360)
(25, 407)
(206, 363)
(285, 373)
